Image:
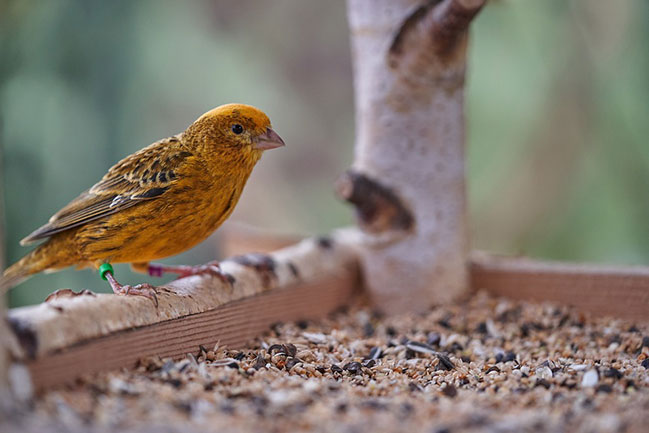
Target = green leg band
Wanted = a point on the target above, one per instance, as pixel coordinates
(106, 267)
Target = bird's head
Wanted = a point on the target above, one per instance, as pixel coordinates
(233, 129)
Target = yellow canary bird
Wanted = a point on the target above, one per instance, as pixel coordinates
(155, 203)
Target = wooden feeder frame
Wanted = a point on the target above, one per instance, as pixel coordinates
(73, 335)
(613, 291)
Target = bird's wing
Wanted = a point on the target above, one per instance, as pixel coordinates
(145, 175)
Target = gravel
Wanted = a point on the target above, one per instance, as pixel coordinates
(483, 365)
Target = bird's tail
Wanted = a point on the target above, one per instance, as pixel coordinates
(44, 257)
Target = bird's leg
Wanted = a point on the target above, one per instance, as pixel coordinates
(144, 289)
(211, 268)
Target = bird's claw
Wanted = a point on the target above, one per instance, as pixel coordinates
(208, 269)
(183, 271)
(144, 289)
(211, 268)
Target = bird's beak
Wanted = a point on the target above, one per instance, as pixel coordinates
(268, 140)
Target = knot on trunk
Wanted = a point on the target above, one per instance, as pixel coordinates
(378, 208)
(436, 30)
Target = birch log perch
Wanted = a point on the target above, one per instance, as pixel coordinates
(407, 180)
(77, 333)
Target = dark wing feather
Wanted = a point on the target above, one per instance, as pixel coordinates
(145, 175)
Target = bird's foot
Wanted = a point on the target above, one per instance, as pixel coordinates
(183, 271)
(144, 289)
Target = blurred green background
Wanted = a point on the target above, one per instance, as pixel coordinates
(557, 108)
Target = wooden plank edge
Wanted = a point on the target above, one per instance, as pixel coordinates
(618, 291)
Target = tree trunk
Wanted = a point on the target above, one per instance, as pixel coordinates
(407, 180)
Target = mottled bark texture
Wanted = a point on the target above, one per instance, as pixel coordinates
(407, 180)
(70, 318)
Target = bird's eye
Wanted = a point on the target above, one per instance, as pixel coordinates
(237, 129)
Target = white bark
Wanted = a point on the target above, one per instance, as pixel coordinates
(409, 65)
(71, 319)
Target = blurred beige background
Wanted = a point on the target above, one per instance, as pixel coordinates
(557, 108)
